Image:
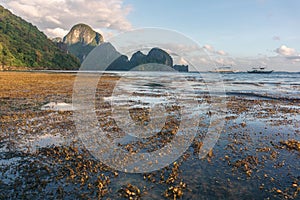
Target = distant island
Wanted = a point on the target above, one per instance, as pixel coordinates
(141, 62)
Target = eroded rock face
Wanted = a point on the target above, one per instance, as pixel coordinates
(81, 40)
(84, 34)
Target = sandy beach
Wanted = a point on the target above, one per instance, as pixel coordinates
(257, 155)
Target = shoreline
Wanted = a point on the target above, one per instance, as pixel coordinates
(91, 71)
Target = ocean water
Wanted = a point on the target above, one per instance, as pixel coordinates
(149, 87)
(277, 85)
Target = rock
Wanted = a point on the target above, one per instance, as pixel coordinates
(155, 55)
(181, 68)
(81, 40)
(159, 56)
(101, 58)
(138, 58)
(106, 58)
(84, 34)
(57, 39)
(120, 64)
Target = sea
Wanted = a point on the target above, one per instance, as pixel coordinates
(276, 85)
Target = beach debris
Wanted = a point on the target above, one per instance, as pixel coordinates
(291, 144)
(247, 164)
(197, 146)
(174, 174)
(130, 191)
(175, 192)
(243, 124)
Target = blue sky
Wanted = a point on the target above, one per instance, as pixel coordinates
(241, 33)
(241, 28)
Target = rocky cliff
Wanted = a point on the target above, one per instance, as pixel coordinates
(81, 40)
(83, 34)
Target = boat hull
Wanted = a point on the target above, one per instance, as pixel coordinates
(260, 72)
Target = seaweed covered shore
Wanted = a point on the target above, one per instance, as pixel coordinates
(257, 155)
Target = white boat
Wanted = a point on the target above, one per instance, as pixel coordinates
(225, 69)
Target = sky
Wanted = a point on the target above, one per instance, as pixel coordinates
(242, 34)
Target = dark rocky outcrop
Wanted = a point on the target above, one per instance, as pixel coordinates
(159, 56)
(120, 64)
(138, 58)
(181, 68)
(156, 60)
(155, 55)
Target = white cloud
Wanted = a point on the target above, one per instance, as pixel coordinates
(294, 58)
(221, 53)
(106, 34)
(212, 50)
(53, 20)
(285, 51)
(287, 56)
(56, 31)
(183, 61)
(224, 61)
(54, 15)
(208, 48)
(28, 10)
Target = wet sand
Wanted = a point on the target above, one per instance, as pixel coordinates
(41, 157)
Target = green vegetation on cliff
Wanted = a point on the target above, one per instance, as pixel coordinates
(23, 45)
